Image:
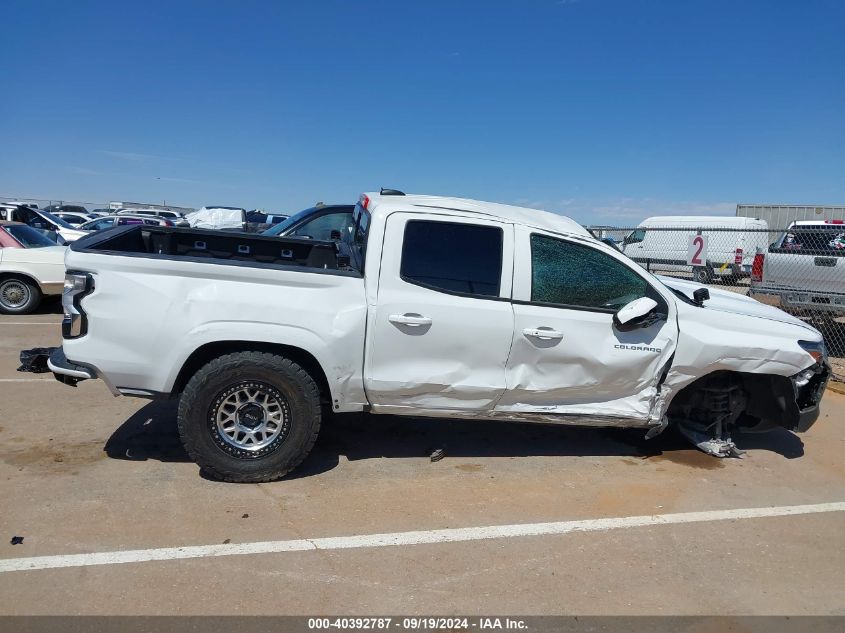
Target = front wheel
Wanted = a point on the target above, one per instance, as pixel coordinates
(18, 295)
(249, 417)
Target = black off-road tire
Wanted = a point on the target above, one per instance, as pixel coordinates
(18, 295)
(199, 405)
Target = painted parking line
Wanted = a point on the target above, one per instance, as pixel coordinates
(452, 535)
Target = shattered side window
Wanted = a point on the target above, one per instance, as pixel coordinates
(568, 274)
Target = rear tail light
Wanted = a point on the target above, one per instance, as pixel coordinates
(365, 201)
(77, 285)
(738, 257)
(168, 223)
(757, 267)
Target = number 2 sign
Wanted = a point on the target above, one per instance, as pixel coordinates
(697, 251)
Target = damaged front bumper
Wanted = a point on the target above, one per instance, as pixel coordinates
(808, 387)
(757, 405)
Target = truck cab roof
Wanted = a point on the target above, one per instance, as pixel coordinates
(544, 220)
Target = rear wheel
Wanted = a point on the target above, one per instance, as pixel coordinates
(18, 295)
(249, 417)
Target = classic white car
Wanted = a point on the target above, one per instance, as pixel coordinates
(31, 266)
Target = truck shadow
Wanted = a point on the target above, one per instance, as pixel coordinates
(151, 434)
(50, 305)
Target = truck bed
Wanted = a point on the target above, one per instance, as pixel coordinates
(211, 246)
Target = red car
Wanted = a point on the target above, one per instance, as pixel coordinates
(20, 235)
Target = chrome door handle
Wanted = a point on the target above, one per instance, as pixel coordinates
(409, 319)
(543, 333)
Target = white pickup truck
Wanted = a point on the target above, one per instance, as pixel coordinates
(431, 306)
(803, 271)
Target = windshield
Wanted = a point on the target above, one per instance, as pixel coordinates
(55, 220)
(815, 239)
(281, 227)
(98, 224)
(28, 236)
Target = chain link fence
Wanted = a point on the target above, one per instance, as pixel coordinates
(798, 268)
(88, 205)
(43, 203)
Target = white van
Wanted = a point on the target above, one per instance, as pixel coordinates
(661, 243)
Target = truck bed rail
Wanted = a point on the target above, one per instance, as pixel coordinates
(216, 246)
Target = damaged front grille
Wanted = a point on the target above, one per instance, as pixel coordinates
(809, 385)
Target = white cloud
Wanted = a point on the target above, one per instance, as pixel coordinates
(192, 181)
(134, 156)
(85, 171)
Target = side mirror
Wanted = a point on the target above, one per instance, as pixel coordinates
(700, 296)
(639, 313)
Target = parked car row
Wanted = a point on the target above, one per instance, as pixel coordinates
(40, 219)
(77, 215)
(110, 221)
(32, 240)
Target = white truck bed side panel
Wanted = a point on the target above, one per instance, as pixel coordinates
(146, 308)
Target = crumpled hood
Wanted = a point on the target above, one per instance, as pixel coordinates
(733, 302)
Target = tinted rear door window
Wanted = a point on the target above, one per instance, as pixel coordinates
(452, 257)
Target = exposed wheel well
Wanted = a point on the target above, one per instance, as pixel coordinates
(758, 401)
(210, 351)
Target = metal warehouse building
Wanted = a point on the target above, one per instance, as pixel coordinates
(780, 216)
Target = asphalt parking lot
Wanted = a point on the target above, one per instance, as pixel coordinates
(102, 487)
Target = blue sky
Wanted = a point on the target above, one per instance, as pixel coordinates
(608, 111)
